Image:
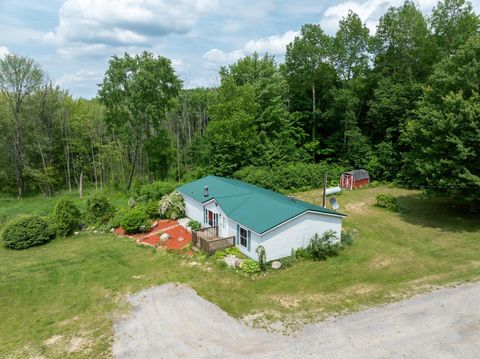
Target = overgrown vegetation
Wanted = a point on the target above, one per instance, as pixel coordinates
(27, 231)
(321, 247)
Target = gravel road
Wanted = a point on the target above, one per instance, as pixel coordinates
(172, 321)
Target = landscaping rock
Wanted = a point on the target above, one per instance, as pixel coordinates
(164, 237)
(230, 260)
(75, 233)
(154, 224)
(276, 265)
(238, 262)
(180, 239)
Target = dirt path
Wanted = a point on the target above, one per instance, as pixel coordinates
(174, 322)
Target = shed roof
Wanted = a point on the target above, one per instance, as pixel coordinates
(256, 208)
(359, 174)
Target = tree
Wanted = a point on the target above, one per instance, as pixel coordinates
(401, 45)
(308, 67)
(351, 47)
(19, 78)
(444, 134)
(453, 22)
(137, 92)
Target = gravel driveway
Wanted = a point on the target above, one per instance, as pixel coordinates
(172, 321)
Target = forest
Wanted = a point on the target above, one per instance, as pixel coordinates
(403, 103)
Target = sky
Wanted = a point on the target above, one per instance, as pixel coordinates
(73, 40)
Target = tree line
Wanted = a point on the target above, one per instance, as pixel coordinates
(402, 102)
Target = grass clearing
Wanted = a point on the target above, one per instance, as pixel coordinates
(62, 298)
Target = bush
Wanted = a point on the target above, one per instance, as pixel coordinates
(134, 220)
(194, 225)
(99, 209)
(154, 191)
(249, 266)
(321, 247)
(348, 237)
(234, 251)
(66, 216)
(171, 206)
(386, 200)
(262, 257)
(151, 209)
(290, 177)
(27, 231)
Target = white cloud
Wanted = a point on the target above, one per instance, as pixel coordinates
(273, 45)
(80, 78)
(88, 25)
(369, 11)
(3, 51)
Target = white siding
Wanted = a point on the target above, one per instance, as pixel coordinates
(193, 209)
(296, 233)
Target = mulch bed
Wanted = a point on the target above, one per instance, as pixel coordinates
(179, 235)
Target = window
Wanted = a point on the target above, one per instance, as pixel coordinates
(211, 218)
(243, 237)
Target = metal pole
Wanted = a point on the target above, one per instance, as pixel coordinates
(324, 200)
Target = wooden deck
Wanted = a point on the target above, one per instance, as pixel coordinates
(208, 241)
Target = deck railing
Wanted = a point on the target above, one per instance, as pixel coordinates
(208, 241)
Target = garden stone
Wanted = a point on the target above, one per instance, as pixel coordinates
(230, 260)
(180, 239)
(164, 237)
(276, 265)
(238, 262)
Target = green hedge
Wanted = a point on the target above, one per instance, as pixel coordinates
(292, 176)
(27, 231)
(134, 220)
(67, 216)
(99, 209)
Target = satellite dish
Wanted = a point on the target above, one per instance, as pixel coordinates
(332, 201)
(335, 206)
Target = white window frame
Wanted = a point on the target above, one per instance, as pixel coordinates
(240, 237)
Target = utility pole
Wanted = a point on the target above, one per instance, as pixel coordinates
(324, 199)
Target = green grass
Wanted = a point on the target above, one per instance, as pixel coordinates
(74, 287)
(42, 205)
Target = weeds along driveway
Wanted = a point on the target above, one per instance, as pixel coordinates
(172, 321)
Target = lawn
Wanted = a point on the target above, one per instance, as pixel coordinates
(63, 297)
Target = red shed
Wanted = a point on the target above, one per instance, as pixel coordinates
(354, 179)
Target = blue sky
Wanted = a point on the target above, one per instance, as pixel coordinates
(73, 39)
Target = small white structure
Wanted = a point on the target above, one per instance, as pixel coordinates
(255, 216)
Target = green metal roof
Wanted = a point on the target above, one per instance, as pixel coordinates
(256, 208)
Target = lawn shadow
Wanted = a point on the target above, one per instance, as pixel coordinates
(439, 213)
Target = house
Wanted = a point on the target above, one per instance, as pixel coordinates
(354, 179)
(249, 216)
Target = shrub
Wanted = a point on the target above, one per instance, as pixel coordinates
(348, 237)
(171, 206)
(134, 220)
(154, 191)
(321, 247)
(66, 216)
(388, 201)
(234, 251)
(194, 225)
(249, 266)
(290, 177)
(27, 231)
(262, 257)
(99, 209)
(150, 208)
